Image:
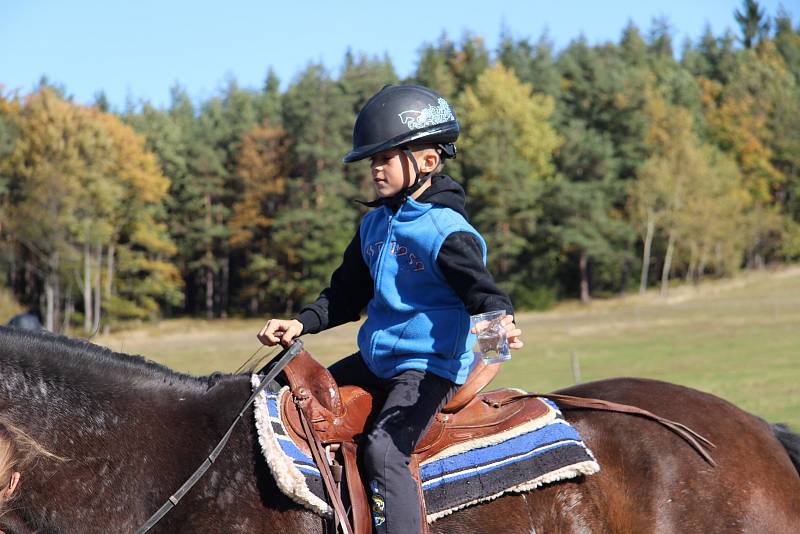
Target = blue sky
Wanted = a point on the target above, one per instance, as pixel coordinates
(139, 49)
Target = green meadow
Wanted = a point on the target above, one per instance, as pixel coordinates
(736, 338)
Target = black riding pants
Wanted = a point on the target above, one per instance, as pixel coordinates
(413, 398)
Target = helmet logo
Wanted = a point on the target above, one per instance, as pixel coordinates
(429, 116)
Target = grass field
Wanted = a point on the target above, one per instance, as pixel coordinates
(739, 339)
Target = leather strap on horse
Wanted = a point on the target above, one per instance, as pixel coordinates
(320, 456)
(697, 441)
(359, 505)
(277, 365)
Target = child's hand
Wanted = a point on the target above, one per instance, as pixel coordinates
(281, 331)
(512, 332)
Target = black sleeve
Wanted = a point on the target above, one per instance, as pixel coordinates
(461, 261)
(350, 291)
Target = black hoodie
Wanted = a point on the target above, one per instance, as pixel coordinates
(460, 259)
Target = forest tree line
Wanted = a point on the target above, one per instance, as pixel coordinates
(594, 170)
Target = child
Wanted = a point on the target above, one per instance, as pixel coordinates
(418, 267)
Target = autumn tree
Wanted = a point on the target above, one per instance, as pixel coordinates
(262, 172)
(691, 194)
(140, 276)
(507, 145)
(751, 119)
(95, 194)
(43, 170)
(713, 220)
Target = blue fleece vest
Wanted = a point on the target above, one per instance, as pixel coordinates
(415, 320)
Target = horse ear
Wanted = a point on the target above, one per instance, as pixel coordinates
(12, 485)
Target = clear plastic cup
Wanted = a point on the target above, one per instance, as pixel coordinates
(492, 343)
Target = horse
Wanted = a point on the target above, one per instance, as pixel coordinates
(102, 439)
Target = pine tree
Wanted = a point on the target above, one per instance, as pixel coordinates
(713, 58)
(752, 22)
(318, 220)
(601, 90)
(268, 104)
(659, 42)
(208, 232)
(787, 41)
(633, 49)
(583, 224)
(531, 63)
(582, 210)
(361, 78)
(434, 67)
(469, 61)
(786, 129)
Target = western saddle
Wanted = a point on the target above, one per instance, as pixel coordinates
(330, 421)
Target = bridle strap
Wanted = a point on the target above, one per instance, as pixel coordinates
(280, 362)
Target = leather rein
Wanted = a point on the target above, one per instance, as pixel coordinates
(278, 363)
(698, 442)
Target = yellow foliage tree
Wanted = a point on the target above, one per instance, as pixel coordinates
(82, 191)
(690, 192)
(263, 178)
(507, 144)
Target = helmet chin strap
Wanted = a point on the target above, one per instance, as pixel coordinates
(419, 181)
(397, 200)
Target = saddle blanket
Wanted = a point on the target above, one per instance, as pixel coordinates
(544, 450)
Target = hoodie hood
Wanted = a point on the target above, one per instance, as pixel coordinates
(446, 192)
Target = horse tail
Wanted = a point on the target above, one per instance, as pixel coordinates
(790, 442)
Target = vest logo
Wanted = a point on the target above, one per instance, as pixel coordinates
(399, 250)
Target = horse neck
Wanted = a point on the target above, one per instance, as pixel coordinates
(57, 407)
(127, 441)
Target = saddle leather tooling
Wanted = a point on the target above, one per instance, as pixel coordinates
(328, 418)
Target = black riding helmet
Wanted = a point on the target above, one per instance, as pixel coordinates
(402, 115)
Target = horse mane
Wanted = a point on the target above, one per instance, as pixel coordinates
(70, 356)
(790, 442)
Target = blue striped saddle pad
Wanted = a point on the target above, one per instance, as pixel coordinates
(546, 449)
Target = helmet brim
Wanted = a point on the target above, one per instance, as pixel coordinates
(441, 133)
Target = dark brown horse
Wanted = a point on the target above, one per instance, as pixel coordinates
(127, 433)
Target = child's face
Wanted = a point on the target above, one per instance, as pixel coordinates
(391, 172)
